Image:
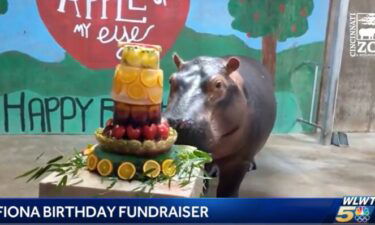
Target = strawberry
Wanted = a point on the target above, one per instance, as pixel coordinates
(118, 132)
(133, 133)
(149, 132)
(163, 130)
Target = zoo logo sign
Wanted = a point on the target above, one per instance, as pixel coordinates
(362, 34)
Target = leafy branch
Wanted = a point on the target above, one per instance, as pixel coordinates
(188, 162)
(65, 170)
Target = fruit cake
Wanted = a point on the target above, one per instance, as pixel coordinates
(136, 129)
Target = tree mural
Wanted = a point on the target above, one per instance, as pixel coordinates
(273, 20)
(3, 6)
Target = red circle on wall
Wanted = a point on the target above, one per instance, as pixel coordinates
(89, 29)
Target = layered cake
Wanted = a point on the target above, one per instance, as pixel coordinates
(135, 142)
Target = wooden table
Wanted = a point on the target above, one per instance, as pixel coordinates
(92, 185)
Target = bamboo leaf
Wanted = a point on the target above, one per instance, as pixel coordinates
(27, 173)
(169, 183)
(114, 181)
(184, 183)
(63, 181)
(39, 173)
(38, 157)
(149, 170)
(55, 159)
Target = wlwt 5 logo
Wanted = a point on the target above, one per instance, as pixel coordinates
(356, 209)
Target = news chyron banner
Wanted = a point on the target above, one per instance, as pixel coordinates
(351, 209)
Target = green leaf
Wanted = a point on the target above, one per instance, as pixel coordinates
(114, 181)
(59, 165)
(38, 157)
(169, 183)
(184, 183)
(27, 173)
(55, 159)
(149, 170)
(63, 181)
(39, 173)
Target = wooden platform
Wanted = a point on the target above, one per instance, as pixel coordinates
(92, 185)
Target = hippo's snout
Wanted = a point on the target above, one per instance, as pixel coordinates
(180, 124)
(189, 133)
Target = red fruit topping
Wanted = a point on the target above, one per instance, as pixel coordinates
(133, 133)
(149, 132)
(163, 130)
(118, 132)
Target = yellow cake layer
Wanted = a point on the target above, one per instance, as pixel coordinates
(137, 86)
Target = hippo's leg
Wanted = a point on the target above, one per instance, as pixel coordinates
(231, 174)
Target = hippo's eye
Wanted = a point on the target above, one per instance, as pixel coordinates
(218, 84)
(171, 80)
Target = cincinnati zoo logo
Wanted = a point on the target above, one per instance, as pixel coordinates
(362, 34)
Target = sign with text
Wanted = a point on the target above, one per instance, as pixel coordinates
(149, 210)
(28, 112)
(93, 28)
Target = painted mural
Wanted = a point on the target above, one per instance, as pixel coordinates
(57, 56)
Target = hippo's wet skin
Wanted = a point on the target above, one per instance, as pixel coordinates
(225, 106)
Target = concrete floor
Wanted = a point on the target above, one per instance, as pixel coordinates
(289, 165)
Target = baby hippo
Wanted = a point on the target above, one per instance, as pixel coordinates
(224, 106)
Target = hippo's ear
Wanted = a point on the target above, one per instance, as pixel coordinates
(177, 60)
(232, 65)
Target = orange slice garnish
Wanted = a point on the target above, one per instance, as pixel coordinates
(155, 95)
(149, 78)
(136, 91)
(128, 74)
(126, 171)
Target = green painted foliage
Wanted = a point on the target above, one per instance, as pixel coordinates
(69, 77)
(293, 89)
(281, 18)
(3, 6)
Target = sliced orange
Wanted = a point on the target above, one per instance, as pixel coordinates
(155, 95)
(105, 167)
(151, 168)
(149, 77)
(136, 91)
(160, 79)
(128, 74)
(89, 149)
(168, 167)
(91, 162)
(126, 171)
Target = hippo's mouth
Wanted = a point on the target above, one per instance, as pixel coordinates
(195, 135)
(230, 132)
